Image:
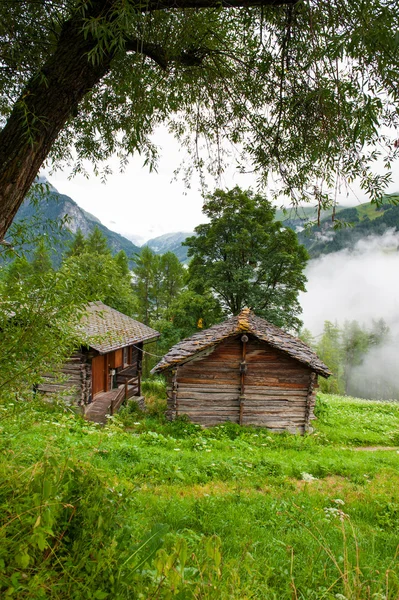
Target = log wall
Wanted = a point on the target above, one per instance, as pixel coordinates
(278, 392)
(73, 380)
(208, 388)
(276, 389)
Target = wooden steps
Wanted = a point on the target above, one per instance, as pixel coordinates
(105, 403)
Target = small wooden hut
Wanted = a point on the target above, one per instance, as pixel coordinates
(244, 370)
(109, 367)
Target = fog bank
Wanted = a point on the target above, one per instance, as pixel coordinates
(361, 284)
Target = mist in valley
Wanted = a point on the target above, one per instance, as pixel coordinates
(360, 284)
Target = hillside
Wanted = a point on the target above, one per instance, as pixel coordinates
(296, 217)
(351, 225)
(46, 213)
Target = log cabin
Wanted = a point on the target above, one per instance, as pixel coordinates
(108, 369)
(243, 370)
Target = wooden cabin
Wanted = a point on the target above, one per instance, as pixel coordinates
(109, 367)
(244, 370)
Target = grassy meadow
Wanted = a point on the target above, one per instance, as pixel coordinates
(143, 508)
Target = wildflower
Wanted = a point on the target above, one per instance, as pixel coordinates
(308, 477)
(339, 501)
(331, 512)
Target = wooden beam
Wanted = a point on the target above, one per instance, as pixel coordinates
(243, 370)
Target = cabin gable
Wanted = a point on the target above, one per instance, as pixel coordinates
(243, 380)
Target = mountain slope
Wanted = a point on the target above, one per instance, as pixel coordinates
(352, 224)
(59, 215)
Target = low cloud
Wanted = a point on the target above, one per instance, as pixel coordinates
(361, 284)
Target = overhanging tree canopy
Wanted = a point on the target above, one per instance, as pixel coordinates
(302, 87)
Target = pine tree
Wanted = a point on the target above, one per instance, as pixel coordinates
(77, 246)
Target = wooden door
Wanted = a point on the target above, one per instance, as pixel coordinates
(98, 374)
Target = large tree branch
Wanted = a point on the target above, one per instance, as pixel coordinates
(191, 57)
(154, 51)
(153, 5)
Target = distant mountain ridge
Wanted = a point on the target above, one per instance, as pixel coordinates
(171, 242)
(351, 225)
(54, 207)
(357, 222)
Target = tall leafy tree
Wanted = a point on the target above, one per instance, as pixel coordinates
(172, 279)
(122, 261)
(144, 271)
(247, 258)
(90, 266)
(355, 345)
(98, 277)
(158, 281)
(296, 84)
(41, 260)
(329, 348)
(191, 312)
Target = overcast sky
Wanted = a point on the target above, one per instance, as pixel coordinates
(140, 204)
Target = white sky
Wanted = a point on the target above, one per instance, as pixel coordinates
(142, 205)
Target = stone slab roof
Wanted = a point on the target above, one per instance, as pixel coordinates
(107, 329)
(245, 322)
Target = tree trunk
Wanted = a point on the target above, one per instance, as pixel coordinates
(48, 101)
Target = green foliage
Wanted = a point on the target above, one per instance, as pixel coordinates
(352, 225)
(329, 349)
(90, 267)
(39, 312)
(155, 386)
(247, 259)
(77, 245)
(163, 510)
(213, 73)
(158, 280)
(344, 349)
(192, 311)
(41, 260)
(96, 243)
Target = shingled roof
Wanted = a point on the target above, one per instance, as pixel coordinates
(245, 322)
(107, 329)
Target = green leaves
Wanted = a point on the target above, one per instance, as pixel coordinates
(38, 317)
(302, 90)
(247, 259)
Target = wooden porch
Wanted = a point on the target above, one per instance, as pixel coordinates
(108, 403)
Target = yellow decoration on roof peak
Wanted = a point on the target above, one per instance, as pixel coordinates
(243, 320)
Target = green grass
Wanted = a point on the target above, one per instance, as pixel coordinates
(144, 508)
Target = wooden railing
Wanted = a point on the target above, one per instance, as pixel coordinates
(117, 401)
